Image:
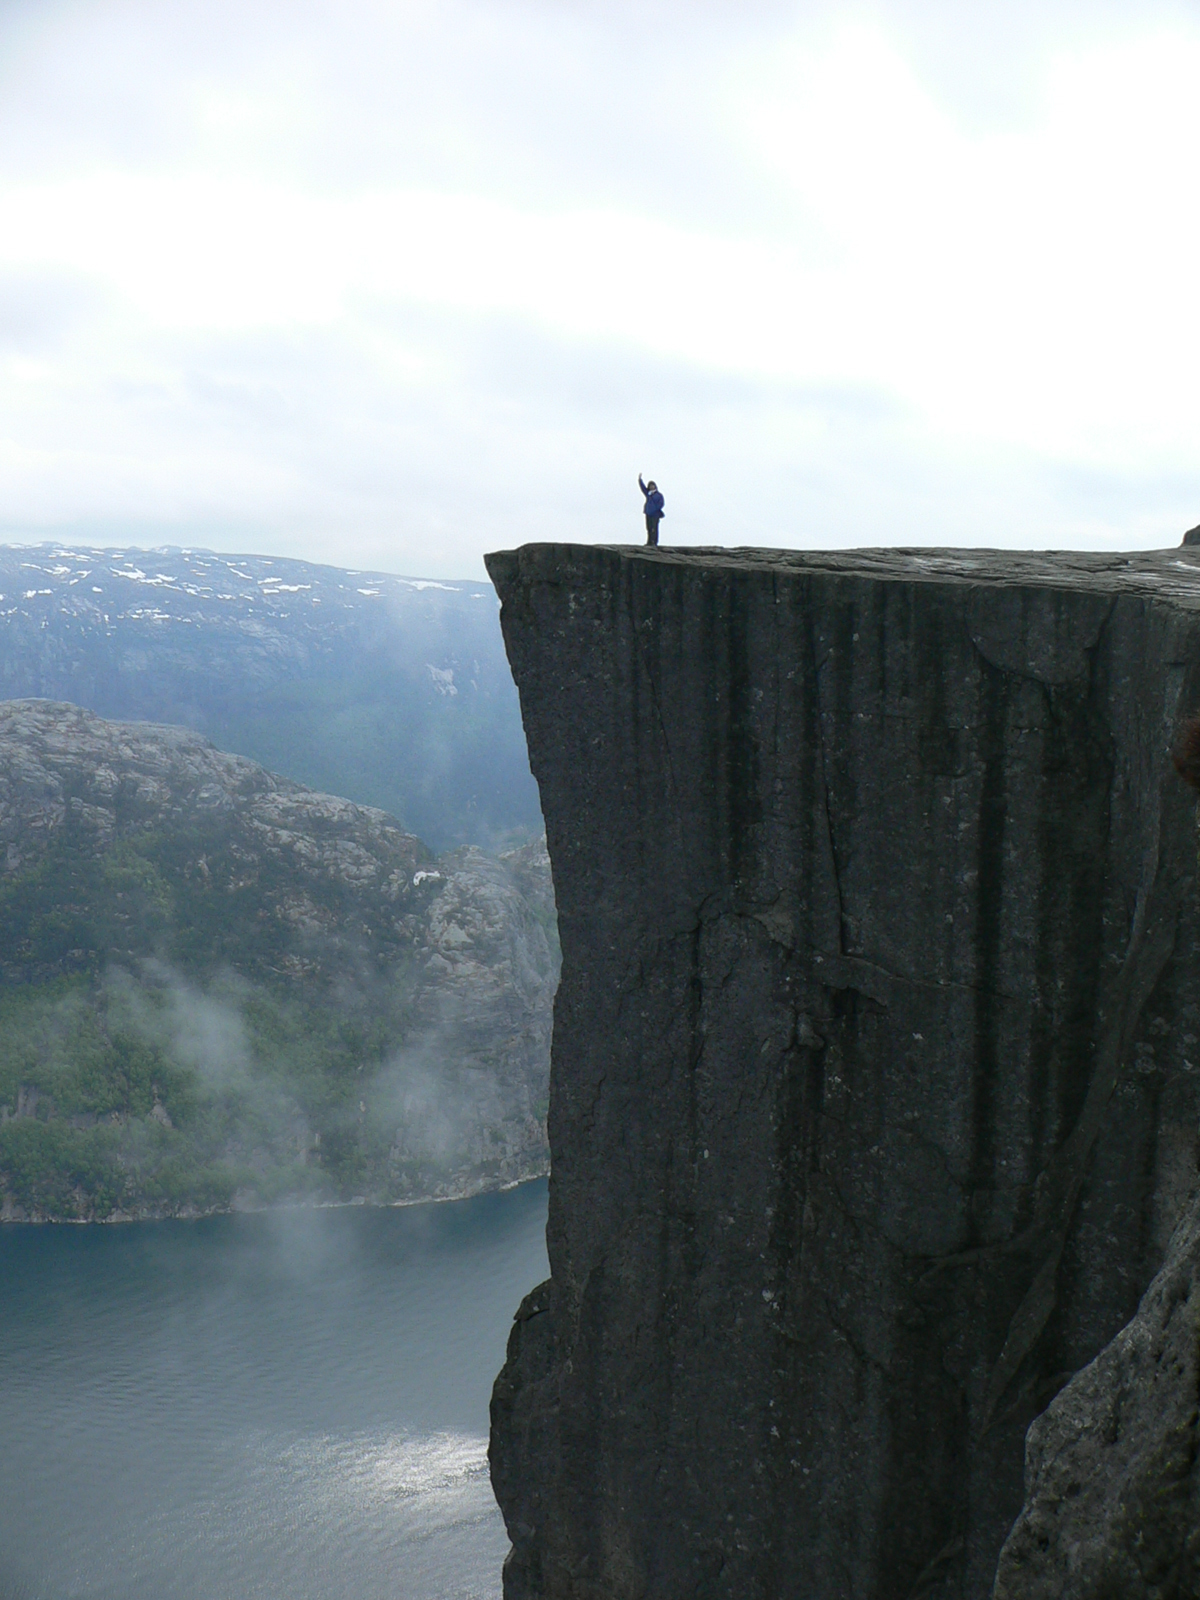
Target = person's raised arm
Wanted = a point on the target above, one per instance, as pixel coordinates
(641, 485)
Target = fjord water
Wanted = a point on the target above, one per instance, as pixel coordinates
(290, 1405)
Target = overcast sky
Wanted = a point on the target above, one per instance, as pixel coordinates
(393, 284)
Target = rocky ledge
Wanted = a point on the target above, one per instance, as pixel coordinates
(218, 986)
(874, 1087)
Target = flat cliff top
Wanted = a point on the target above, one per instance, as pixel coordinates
(1173, 574)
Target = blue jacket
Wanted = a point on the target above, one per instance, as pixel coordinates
(654, 502)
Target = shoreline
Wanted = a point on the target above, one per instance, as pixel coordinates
(190, 1214)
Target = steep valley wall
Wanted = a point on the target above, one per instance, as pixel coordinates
(874, 1085)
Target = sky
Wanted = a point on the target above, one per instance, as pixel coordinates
(389, 284)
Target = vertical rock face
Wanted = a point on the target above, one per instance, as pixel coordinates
(873, 1090)
(1113, 1486)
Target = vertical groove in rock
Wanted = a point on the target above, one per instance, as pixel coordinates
(871, 1088)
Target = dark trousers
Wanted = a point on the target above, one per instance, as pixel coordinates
(652, 529)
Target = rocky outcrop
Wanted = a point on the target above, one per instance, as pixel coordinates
(66, 772)
(1112, 1487)
(291, 984)
(874, 1085)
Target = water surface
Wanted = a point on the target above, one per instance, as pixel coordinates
(287, 1406)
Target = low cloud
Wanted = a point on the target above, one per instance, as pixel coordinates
(437, 1108)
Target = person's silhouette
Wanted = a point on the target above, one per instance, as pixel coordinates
(654, 508)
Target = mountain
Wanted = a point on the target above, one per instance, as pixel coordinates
(219, 986)
(392, 691)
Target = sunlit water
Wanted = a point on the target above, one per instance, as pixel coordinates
(290, 1406)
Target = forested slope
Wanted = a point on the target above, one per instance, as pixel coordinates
(217, 985)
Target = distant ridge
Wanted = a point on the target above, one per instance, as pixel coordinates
(393, 691)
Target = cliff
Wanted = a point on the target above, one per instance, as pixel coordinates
(873, 1087)
(217, 984)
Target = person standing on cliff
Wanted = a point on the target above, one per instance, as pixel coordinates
(654, 508)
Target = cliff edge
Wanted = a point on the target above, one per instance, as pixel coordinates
(874, 1079)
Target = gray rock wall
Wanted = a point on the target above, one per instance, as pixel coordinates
(873, 1093)
(1112, 1477)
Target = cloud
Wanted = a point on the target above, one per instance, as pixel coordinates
(435, 1110)
(393, 284)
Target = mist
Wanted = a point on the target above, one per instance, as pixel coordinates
(174, 1094)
